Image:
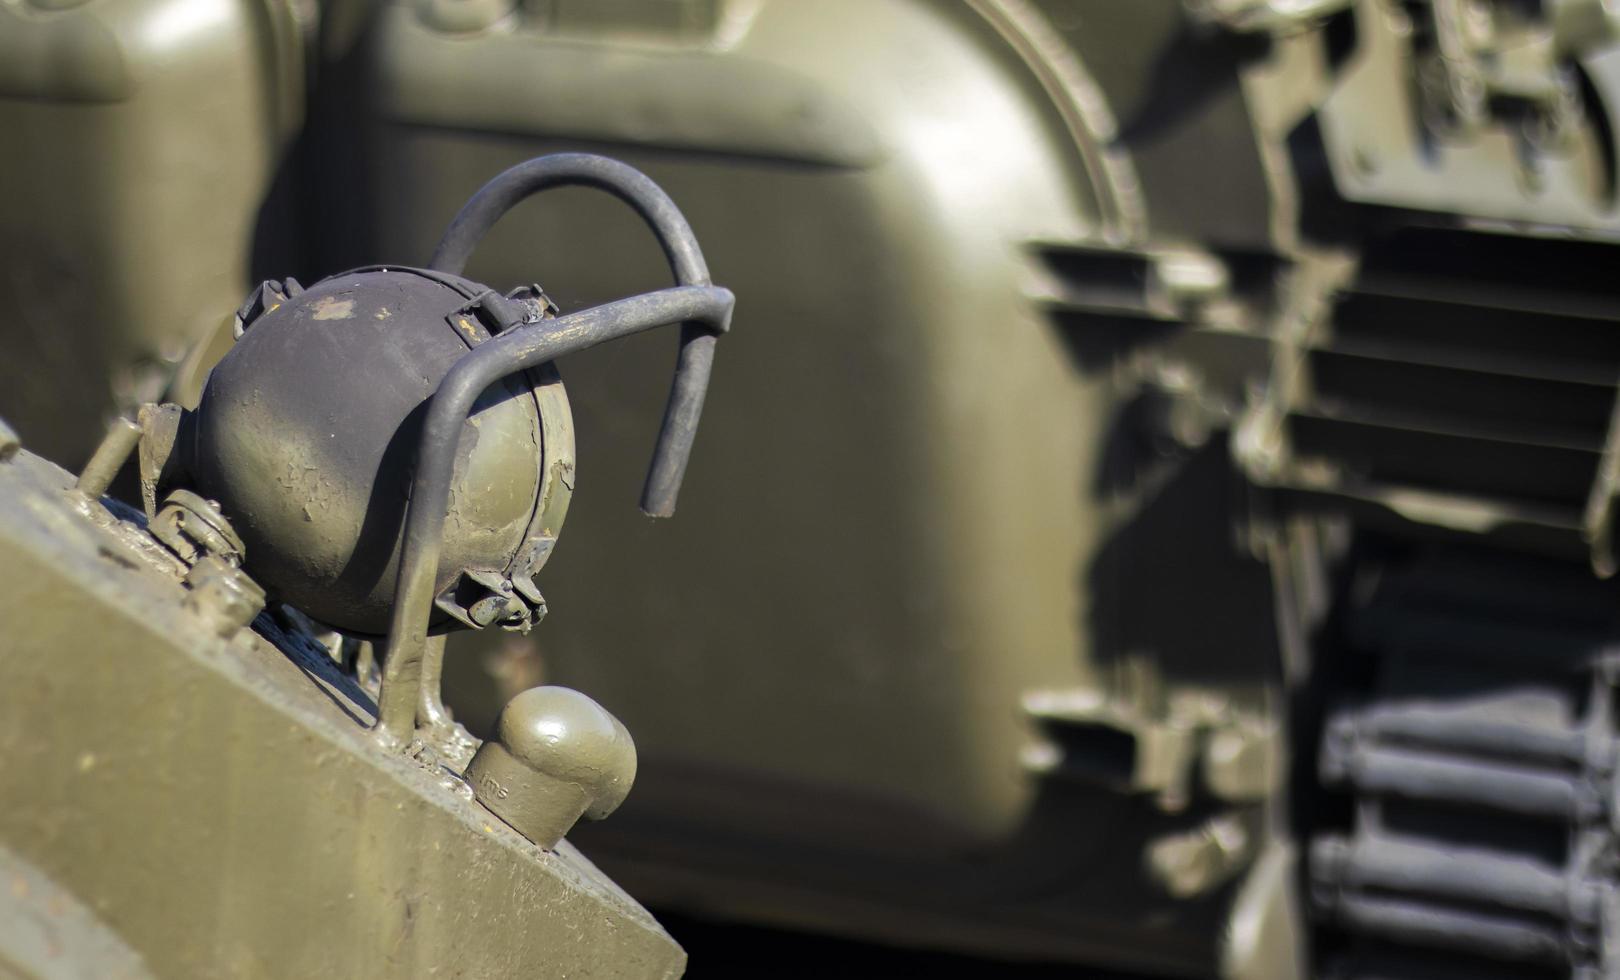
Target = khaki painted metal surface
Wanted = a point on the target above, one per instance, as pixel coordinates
(907, 387)
(47, 933)
(219, 807)
(141, 139)
(902, 525)
(956, 642)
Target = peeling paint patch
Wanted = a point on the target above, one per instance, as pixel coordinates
(332, 308)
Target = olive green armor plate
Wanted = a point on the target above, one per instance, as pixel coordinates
(214, 807)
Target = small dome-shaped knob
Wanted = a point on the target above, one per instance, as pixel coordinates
(556, 756)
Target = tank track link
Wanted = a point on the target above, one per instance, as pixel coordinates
(1477, 773)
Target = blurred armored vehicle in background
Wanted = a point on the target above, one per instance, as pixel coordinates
(1160, 513)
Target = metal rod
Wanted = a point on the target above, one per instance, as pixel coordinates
(695, 360)
(1472, 877)
(519, 349)
(1463, 733)
(109, 457)
(430, 710)
(1413, 775)
(1455, 929)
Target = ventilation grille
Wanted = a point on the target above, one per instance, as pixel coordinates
(1466, 380)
